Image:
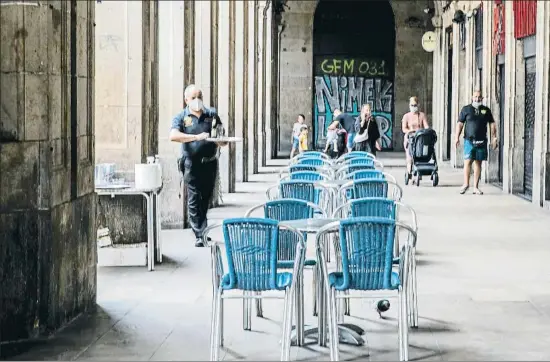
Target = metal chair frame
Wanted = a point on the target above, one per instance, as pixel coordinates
(219, 293)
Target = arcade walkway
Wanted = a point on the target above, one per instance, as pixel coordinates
(484, 286)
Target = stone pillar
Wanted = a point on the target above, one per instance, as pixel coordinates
(171, 86)
(456, 153)
(226, 89)
(239, 29)
(203, 50)
(269, 37)
(150, 87)
(47, 200)
(254, 85)
(541, 152)
(260, 69)
(510, 94)
(248, 78)
(438, 94)
(276, 20)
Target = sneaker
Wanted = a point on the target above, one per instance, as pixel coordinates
(477, 192)
(199, 243)
(464, 189)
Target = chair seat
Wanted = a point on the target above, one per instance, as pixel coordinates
(284, 280)
(336, 280)
(289, 264)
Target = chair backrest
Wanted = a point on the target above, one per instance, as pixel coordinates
(298, 189)
(354, 154)
(347, 169)
(251, 246)
(313, 161)
(366, 174)
(366, 245)
(284, 210)
(301, 167)
(311, 154)
(307, 176)
(361, 161)
(373, 207)
(369, 188)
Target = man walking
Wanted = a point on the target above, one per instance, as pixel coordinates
(347, 121)
(198, 160)
(474, 119)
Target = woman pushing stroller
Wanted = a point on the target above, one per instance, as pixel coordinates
(412, 122)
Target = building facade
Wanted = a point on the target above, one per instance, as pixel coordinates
(501, 48)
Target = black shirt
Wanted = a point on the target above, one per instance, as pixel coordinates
(188, 123)
(475, 122)
(347, 121)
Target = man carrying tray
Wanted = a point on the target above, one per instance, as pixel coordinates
(198, 161)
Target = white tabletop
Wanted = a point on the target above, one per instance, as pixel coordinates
(308, 225)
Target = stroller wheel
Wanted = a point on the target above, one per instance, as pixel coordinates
(407, 177)
(435, 179)
(418, 178)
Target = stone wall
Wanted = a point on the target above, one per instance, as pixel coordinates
(47, 200)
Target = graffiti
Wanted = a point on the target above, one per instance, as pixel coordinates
(346, 84)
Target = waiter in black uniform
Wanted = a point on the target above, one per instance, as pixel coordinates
(198, 160)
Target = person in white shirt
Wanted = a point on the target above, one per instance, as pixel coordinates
(296, 130)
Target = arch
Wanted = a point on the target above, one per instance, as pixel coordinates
(353, 63)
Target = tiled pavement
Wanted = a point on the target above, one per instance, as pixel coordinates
(484, 291)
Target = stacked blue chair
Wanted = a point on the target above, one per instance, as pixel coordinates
(371, 188)
(285, 210)
(308, 176)
(389, 209)
(251, 246)
(366, 247)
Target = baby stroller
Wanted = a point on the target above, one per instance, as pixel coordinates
(421, 147)
(337, 146)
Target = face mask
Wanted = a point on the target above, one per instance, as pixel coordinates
(476, 104)
(196, 105)
(413, 108)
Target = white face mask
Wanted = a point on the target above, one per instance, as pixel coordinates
(413, 108)
(476, 104)
(196, 105)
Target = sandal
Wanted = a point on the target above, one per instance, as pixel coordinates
(477, 192)
(464, 189)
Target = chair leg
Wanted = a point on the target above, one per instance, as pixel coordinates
(287, 325)
(333, 325)
(259, 309)
(347, 305)
(247, 312)
(299, 311)
(403, 327)
(414, 293)
(220, 326)
(315, 290)
(216, 328)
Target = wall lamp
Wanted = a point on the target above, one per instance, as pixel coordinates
(459, 17)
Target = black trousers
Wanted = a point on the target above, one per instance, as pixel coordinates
(200, 179)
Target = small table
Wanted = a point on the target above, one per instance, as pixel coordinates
(348, 333)
(153, 216)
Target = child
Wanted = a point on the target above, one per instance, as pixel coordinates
(303, 139)
(332, 138)
(296, 131)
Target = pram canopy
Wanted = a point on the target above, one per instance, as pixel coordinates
(422, 145)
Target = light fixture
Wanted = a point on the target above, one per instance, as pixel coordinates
(459, 17)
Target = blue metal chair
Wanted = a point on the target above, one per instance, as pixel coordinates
(346, 169)
(311, 154)
(313, 161)
(370, 188)
(284, 210)
(299, 168)
(390, 209)
(308, 176)
(366, 247)
(251, 247)
(354, 154)
(302, 190)
(370, 174)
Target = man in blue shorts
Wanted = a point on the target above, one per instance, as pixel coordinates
(347, 121)
(474, 119)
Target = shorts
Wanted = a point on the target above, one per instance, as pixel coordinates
(475, 153)
(351, 138)
(295, 142)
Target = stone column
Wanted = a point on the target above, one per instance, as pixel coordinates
(149, 89)
(226, 89)
(438, 94)
(456, 153)
(253, 85)
(239, 29)
(48, 227)
(171, 65)
(541, 152)
(260, 60)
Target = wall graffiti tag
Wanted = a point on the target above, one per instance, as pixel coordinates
(346, 83)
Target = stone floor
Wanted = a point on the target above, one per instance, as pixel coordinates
(484, 291)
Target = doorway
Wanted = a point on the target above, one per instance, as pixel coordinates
(501, 100)
(347, 72)
(529, 127)
(449, 34)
